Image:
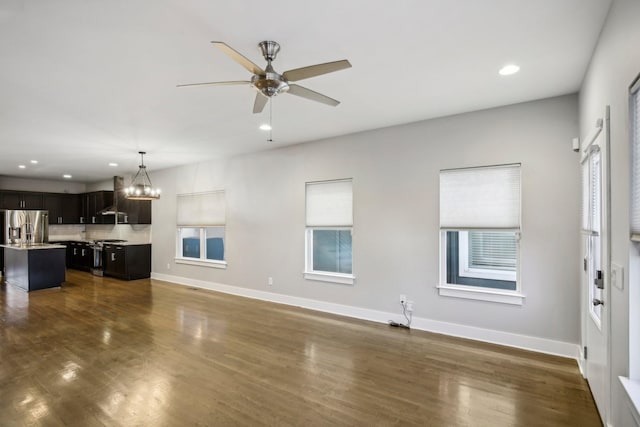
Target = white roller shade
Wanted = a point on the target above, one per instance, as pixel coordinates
(480, 198)
(201, 209)
(635, 161)
(330, 204)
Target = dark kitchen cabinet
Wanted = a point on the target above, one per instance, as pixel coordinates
(71, 209)
(21, 200)
(132, 211)
(79, 256)
(52, 202)
(91, 205)
(63, 208)
(127, 262)
(135, 211)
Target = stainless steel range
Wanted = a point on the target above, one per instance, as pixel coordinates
(98, 257)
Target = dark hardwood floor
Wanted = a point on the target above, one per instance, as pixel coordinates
(101, 352)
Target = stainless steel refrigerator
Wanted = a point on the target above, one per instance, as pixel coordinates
(25, 227)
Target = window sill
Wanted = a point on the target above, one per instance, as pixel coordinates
(345, 279)
(632, 389)
(482, 294)
(202, 263)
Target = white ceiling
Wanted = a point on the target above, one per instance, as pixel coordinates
(87, 82)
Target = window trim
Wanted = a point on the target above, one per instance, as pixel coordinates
(481, 294)
(204, 262)
(324, 276)
(509, 197)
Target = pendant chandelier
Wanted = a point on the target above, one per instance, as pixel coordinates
(140, 187)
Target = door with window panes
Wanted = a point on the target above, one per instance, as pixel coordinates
(595, 177)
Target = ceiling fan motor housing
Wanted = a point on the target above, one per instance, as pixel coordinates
(271, 83)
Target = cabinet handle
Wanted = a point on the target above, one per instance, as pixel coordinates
(82, 252)
(113, 256)
(75, 251)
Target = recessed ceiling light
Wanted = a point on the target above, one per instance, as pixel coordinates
(66, 176)
(35, 162)
(265, 127)
(507, 70)
(113, 165)
(22, 166)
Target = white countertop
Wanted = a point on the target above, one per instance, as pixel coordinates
(106, 243)
(35, 246)
(126, 243)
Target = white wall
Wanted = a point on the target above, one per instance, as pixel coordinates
(46, 186)
(613, 67)
(395, 184)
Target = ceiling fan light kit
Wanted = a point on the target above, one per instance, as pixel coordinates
(140, 187)
(270, 83)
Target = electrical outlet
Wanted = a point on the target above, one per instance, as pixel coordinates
(270, 281)
(409, 306)
(403, 298)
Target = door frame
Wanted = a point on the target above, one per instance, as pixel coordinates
(604, 127)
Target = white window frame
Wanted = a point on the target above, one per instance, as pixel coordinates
(327, 210)
(464, 270)
(201, 211)
(514, 297)
(631, 384)
(504, 296)
(202, 261)
(325, 276)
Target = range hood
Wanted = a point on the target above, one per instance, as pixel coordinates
(118, 198)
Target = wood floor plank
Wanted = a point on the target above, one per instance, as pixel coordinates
(102, 352)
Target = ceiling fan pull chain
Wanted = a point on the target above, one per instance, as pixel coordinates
(270, 120)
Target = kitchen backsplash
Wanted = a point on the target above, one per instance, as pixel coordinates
(130, 233)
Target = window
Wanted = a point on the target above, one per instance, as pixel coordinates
(632, 383)
(591, 222)
(634, 110)
(328, 239)
(201, 229)
(480, 230)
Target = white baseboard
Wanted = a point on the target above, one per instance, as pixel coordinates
(526, 342)
(582, 364)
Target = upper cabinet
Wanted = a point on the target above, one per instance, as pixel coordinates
(63, 208)
(135, 212)
(97, 207)
(132, 211)
(92, 205)
(21, 200)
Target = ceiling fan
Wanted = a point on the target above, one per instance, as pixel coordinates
(269, 83)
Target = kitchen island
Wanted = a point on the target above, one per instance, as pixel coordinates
(34, 267)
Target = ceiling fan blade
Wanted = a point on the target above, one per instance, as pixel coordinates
(239, 82)
(315, 70)
(239, 58)
(259, 103)
(309, 94)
